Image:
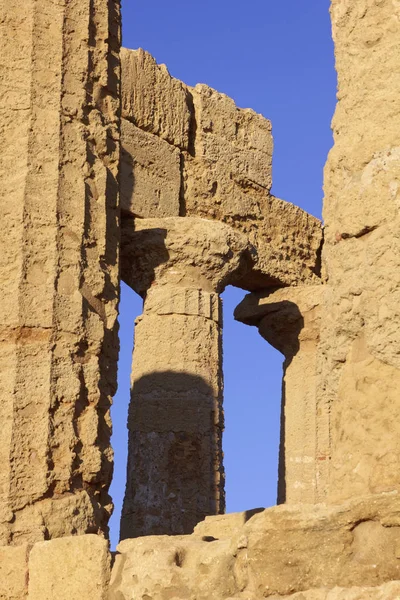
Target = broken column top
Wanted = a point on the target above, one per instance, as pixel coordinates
(190, 151)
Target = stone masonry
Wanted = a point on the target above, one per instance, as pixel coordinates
(197, 215)
(359, 354)
(59, 88)
(190, 153)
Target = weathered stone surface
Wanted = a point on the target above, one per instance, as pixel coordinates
(228, 173)
(309, 550)
(153, 100)
(225, 170)
(150, 174)
(72, 568)
(175, 474)
(187, 252)
(59, 90)
(387, 591)
(14, 572)
(180, 567)
(359, 366)
(290, 320)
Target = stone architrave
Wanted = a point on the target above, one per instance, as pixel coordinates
(175, 475)
(59, 89)
(289, 319)
(190, 151)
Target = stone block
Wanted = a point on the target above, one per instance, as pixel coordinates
(150, 174)
(229, 171)
(225, 170)
(179, 567)
(387, 591)
(153, 100)
(304, 552)
(14, 572)
(71, 568)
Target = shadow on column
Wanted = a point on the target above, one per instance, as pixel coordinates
(175, 474)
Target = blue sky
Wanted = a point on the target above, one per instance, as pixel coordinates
(277, 58)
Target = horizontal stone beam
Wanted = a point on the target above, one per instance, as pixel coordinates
(192, 152)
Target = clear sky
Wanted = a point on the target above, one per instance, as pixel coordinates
(275, 56)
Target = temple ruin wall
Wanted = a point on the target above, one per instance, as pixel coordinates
(192, 160)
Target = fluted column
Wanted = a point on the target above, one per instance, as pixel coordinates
(289, 319)
(59, 88)
(175, 475)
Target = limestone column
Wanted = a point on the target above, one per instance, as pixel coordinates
(289, 319)
(175, 474)
(59, 89)
(359, 355)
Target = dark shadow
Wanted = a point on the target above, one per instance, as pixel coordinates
(142, 250)
(174, 474)
(127, 183)
(250, 513)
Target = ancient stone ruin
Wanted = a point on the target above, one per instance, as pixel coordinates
(113, 173)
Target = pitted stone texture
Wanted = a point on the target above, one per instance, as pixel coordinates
(56, 517)
(153, 100)
(180, 567)
(314, 551)
(14, 572)
(187, 252)
(150, 174)
(290, 320)
(230, 170)
(72, 568)
(359, 366)
(387, 591)
(225, 170)
(59, 255)
(175, 475)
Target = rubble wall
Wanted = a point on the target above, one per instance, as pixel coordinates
(59, 89)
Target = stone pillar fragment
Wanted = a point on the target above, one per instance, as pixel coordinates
(59, 89)
(175, 473)
(359, 356)
(289, 319)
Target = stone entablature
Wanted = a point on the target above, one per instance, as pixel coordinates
(192, 152)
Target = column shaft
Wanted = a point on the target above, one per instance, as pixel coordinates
(358, 404)
(59, 264)
(175, 474)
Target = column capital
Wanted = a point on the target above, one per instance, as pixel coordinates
(187, 252)
(285, 317)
